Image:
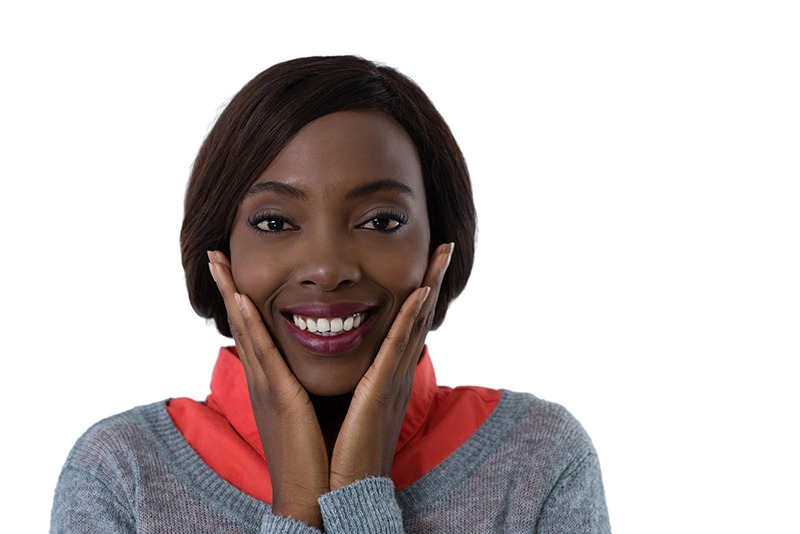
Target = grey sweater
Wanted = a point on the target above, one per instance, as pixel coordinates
(529, 468)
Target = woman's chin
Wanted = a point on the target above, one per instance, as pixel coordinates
(331, 381)
(330, 375)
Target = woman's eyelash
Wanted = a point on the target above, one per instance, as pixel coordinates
(385, 221)
(270, 223)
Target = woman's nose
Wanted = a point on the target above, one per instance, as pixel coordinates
(328, 264)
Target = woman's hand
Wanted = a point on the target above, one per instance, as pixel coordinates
(368, 438)
(285, 417)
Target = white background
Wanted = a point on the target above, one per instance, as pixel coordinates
(636, 170)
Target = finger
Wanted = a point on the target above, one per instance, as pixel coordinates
(424, 320)
(434, 276)
(437, 265)
(259, 351)
(220, 272)
(403, 345)
(263, 350)
(395, 344)
(240, 318)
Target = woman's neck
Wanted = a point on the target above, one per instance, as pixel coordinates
(331, 412)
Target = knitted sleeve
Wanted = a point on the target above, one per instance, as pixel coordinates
(367, 506)
(577, 502)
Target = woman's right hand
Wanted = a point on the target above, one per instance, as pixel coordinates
(285, 417)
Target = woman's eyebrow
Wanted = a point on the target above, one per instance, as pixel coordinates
(277, 187)
(379, 186)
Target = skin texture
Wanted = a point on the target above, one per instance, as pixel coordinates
(338, 221)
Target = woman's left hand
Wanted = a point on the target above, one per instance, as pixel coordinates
(367, 441)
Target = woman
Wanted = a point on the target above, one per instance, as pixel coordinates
(328, 224)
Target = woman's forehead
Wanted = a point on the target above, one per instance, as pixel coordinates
(345, 147)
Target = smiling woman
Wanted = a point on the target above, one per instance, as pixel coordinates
(329, 222)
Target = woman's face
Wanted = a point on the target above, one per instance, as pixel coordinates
(329, 242)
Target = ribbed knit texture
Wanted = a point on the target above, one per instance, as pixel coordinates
(530, 468)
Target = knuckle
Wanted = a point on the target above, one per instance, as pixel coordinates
(236, 332)
(422, 326)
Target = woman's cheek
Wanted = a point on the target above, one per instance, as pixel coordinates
(252, 275)
(407, 276)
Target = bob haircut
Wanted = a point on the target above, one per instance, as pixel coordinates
(264, 116)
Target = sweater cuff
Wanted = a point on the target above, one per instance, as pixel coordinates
(275, 524)
(367, 505)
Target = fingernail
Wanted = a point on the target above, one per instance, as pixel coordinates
(208, 253)
(238, 298)
(212, 268)
(424, 296)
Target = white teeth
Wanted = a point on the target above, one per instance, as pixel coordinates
(325, 326)
(336, 325)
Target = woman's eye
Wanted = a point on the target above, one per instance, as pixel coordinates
(384, 223)
(271, 223)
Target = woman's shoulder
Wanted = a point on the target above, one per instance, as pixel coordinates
(538, 410)
(532, 423)
(523, 451)
(132, 420)
(508, 418)
(122, 436)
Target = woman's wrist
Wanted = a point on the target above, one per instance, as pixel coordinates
(299, 508)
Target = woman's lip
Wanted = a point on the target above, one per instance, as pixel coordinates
(329, 345)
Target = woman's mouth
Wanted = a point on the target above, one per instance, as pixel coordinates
(328, 326)
(328, 329)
